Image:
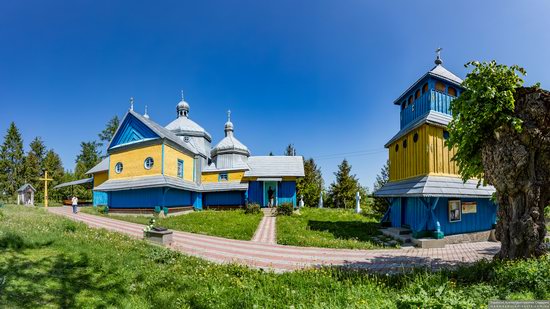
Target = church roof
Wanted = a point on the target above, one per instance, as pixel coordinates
(427, 186)
(81, 182)
(230, 144)
(25, 186)
(439, 72)
(183, 125)
(275, 166)
(146, 182)
(431, 117)
(100, 167)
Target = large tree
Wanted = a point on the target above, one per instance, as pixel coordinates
(311, 184)
(501, 132)
(52, 163)
(89, 156)
(11, 161)
(380, 204)
(342, 191)
(34, 166)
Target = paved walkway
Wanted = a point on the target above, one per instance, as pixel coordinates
(265, 233)
(286, 258)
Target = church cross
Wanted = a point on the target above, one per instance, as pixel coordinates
(46, 179)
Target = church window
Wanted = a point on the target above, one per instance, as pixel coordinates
(396, 147)
(415, 137)
(180, 168)
(410, 99)
(148, 163)
(446, 134)
(417, 94)
(405, 143)
(452, 91)
(439, 86)
(119, 167)
(425, 88)
(403, 105)
(223, 177)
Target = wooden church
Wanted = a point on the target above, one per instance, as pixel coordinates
(426, 193)
(174, 167)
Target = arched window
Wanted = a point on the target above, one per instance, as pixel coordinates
(119, 167)
(410, 99)
(404, 143)
(417, 94)
(148, 163)
(415, 137)
(451, 91)
(403, 105)
(425, 88)
(439, 86)
(396, 147)
(445, 134)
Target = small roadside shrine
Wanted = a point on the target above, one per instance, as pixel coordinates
(25, 194)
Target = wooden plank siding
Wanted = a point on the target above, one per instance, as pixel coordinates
(214, 177)
(171, 156)
(428, 155)
(133, 160)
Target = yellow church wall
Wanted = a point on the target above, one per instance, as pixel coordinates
(171, 157)
(214, 177)
(100, 178)
(412, 160)
(429, 155)
(133, 160)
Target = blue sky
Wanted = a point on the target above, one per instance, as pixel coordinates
(319, 74)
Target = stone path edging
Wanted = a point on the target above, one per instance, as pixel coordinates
(281, 258)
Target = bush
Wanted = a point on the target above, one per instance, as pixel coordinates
(252, 208)
(103, 209)
(285, 209)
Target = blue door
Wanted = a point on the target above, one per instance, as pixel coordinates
(404, 212)
(270, 193)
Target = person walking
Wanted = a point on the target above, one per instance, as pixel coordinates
(270, 194)
(74, 201)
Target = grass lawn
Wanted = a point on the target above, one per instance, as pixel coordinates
(50, 261)
(330, 228)
(228, 223)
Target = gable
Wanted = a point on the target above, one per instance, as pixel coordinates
(130, 131)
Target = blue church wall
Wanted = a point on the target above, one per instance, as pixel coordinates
(100, 198)
(196, 197)
(231, 198)
(255, 192)
(415, 214)
(132, 130)
(149, 198)
(286, 192)
(482, 220)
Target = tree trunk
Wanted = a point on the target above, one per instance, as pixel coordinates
(517, 164)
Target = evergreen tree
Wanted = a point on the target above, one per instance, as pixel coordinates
(380, 204)
(11, 162)
(311, 184)
(271, 153)
(109, 132)
(52, 163)
(290, 150)
(342, 191)
(34, 166)
(89, 156)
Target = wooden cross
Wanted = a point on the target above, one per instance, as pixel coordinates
(46, 179)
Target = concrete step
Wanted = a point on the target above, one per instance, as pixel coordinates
(397, 234)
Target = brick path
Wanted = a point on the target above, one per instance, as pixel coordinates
(266, 229)
(286, 258)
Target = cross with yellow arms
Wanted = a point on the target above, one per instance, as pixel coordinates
(46, 179)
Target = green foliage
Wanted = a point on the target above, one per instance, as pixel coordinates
(34, 166)
(11, 162)
(285, 209)
(89, 156)
(342, 191)
(52, 163)
(486, 104)
(233, 224)
(311, 184)
(109, 132)
(43, 265)
(252, 208)
(380, 205)
(330, 228)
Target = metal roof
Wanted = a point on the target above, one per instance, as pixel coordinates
(224, 186)
(25, 186)
(182, 125)
(240, 166)
(230, 144)
(75, 182)
(147, 182)
(431, 117)
(443, 186)
(438, 72)
(275, 166)
(100, 167)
